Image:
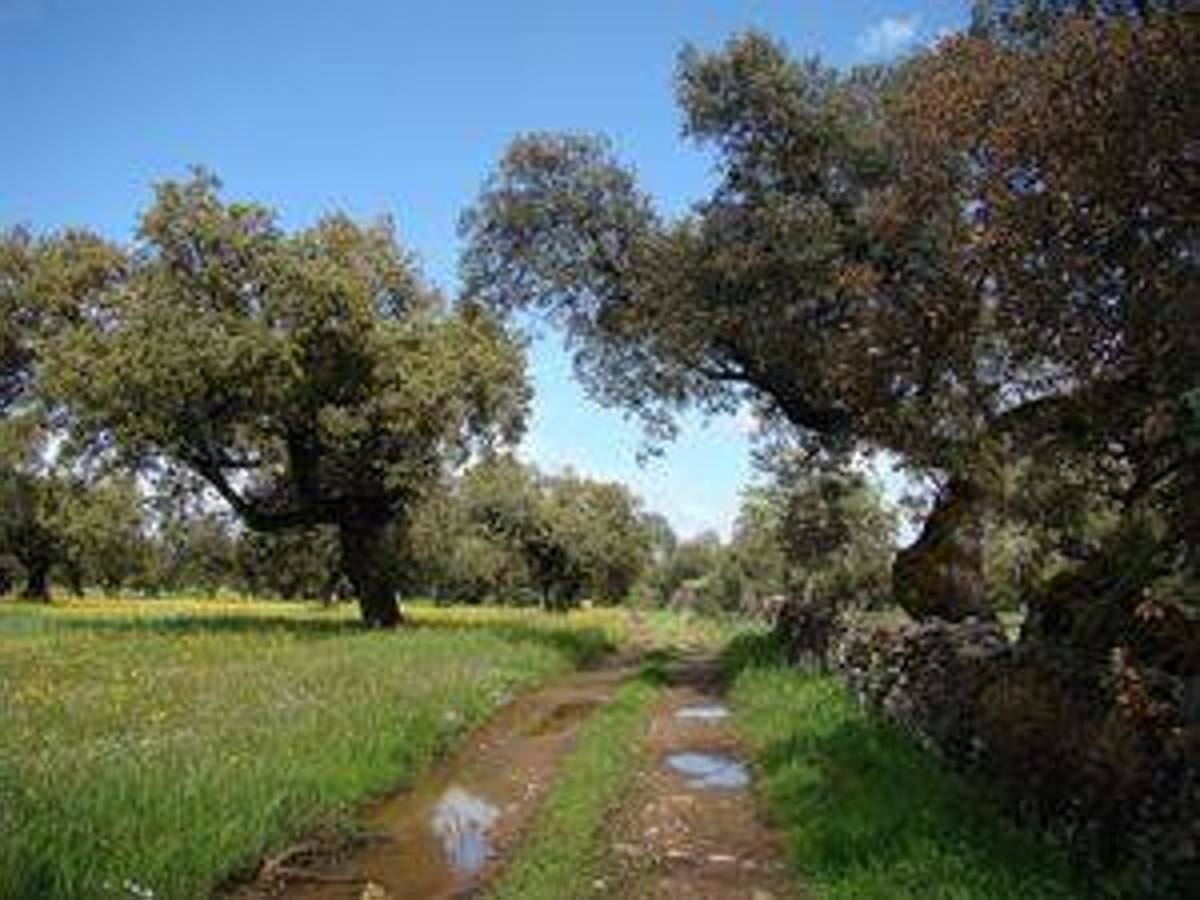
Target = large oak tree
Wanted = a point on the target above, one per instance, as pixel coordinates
(310, 378)
(980, 254)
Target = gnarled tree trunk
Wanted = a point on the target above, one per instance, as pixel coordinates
(368, 560)
(941, 574)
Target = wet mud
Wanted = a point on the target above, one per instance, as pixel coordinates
(692, 828)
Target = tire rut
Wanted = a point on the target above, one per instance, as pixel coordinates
(695, 830)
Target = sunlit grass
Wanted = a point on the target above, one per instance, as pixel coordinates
(688, 632)
(162, 745)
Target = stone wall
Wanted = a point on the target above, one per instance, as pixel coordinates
(1105, 756)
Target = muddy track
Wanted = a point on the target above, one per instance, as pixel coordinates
(447, 836)
(691, 826)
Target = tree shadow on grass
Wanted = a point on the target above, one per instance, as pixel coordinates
(188, 623)
(871, 811)
(582, 646)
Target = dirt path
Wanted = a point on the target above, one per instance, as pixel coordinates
(695, 831)
(444, 838)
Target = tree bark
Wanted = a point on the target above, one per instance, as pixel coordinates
(37, 584)
(941, 574)
(368, 561)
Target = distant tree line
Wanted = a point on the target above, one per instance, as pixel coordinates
(499, 531)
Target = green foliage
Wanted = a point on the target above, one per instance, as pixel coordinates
(981, 256)
(600, 525)
(670, 313)
(194, 552)
(310, 378)
(17, 317)
(683, 575)
(838, 534)
(1031, 21)
(291, 565)
(821, 531)
(505, 531)
(57, 523)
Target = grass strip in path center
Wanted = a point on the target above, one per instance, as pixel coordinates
(564, 853)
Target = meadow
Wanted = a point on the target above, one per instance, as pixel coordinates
(155, 748)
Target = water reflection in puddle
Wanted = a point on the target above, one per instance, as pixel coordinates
(461, 821)
(707, 712)
(710, 770)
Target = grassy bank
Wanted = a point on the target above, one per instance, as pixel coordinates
(565, 852)
(866, 812)
(155, 747)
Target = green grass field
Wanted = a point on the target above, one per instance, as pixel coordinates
(156, 747)
(867, 813)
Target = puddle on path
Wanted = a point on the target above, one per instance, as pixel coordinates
(461, 820)
(437, 840)
(704, 712)
(710, 770)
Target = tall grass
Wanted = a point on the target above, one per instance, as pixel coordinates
(867, 813)
(153, 748)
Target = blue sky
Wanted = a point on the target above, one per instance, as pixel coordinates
(401, 108)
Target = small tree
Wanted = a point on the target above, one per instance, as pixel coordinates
(837, 532)
(600, 526)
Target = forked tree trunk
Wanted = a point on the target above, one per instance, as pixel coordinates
(368, 561)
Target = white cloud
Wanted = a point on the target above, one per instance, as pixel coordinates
(943, 34)
(889, 36)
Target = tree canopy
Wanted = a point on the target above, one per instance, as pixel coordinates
(310, 378)
(573, 536)
(979, 254)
